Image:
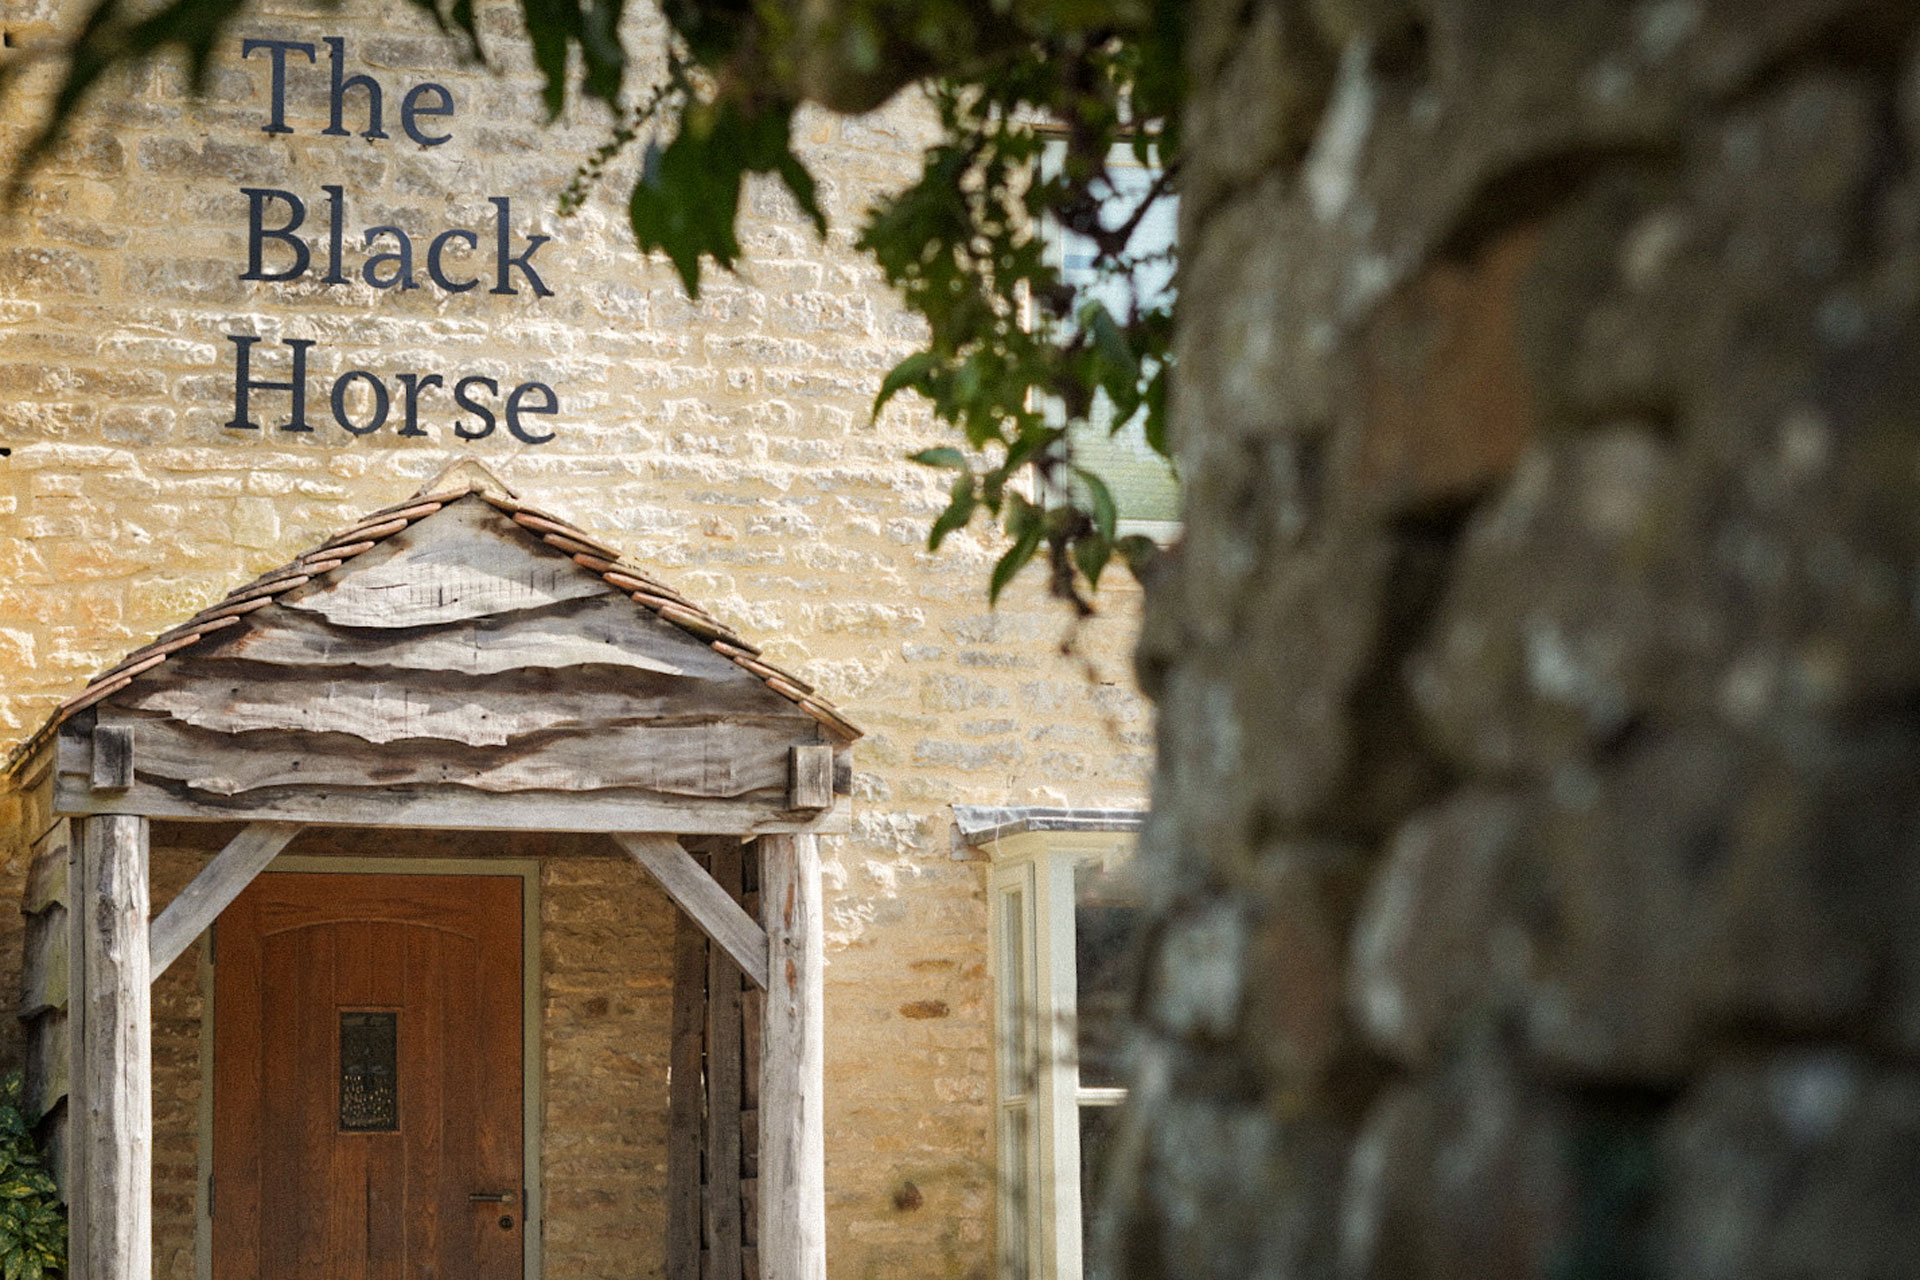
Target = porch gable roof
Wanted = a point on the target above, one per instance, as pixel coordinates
(459, 643)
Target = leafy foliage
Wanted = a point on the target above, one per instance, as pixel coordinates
(33, 1227)
(1015, 357)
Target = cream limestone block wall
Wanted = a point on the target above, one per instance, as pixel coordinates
(726, 441)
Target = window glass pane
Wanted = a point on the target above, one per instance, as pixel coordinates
(1013, 1193)
(1015, 1009)
(1096, 1128)
(1152, 239)
(1142, 482)
(1106, 924)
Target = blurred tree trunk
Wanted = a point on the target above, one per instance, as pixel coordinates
(1536, 844)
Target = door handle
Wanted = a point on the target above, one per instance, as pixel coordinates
(491, 1197)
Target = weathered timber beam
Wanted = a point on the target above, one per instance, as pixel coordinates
(793, 1162)
(112, 765)
(684, 1099)
(219, 883)
(810, 777)
(116, 1084)
(720, 1210)
(455, 808)
(719, 916)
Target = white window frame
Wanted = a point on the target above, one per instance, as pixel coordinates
(1031, 896)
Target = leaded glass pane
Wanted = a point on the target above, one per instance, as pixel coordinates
(369, 1069)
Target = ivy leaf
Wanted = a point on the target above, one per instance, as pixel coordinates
(1155, 427)
(799, 181)
(686, 203)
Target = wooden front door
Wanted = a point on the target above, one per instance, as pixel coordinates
(367, 1079)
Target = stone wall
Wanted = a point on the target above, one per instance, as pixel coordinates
(1534, 839)
(726, 441)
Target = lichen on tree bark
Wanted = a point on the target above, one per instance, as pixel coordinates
(1536, 674)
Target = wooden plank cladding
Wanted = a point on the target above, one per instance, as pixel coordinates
(48, 974)
(605, 631)
(713, 1130)
(453, 568)
(710, 759)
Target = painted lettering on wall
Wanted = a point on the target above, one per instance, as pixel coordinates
(286, 243)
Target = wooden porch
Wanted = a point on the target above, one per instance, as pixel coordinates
(458, 662)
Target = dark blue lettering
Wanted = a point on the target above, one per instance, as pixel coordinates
(503, 262)
(467, 402)
(277, 50)
(336, 234)
(244, 383)
(380, 402)
(410, 107)
(403, 273)
(515, 408)
(258, 233)
(434, 269)
(414, 384)
(343, 82)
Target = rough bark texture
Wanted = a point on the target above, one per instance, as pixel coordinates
(1537, 833)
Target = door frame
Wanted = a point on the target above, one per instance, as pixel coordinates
(533, 1212)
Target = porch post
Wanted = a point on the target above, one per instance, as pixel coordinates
(793, 1198)
(114, 1157)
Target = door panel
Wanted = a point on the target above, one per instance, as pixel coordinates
(379, 1190)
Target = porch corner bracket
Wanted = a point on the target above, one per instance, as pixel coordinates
(705, 902)
(196, 907)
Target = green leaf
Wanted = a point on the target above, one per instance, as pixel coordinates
(799, 180)
(911, 372)
(1121, 367)
(1105, 514)
(959, 511)
(1025, 524)
(551, 25)
(1138, 551)
(688, 196)
(948, 459)
(1091, 554)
